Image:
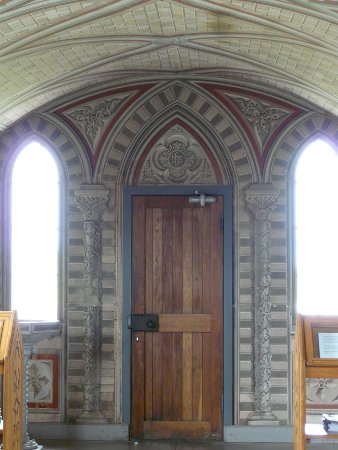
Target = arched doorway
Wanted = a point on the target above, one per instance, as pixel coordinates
(178, 266)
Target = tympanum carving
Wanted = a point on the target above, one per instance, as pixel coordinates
(177, 158)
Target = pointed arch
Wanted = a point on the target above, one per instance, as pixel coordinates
(279, 170)
(315, 221)
(191, 104)
(130, 170)
(35, 233)
(56, 137)
(292, 140)
(34, 219)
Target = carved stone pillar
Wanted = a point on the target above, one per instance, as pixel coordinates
(27, 442)
(92, 201)
(261, 199)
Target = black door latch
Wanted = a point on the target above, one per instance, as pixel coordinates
(143, 322)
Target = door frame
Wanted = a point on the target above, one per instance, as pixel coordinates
(226, 192)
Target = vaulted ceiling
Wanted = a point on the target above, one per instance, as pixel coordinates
(53, 48)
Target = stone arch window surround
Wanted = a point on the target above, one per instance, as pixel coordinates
(322, 190)
(7, 199)
(278, 171)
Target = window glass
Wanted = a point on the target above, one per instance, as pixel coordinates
(35, 234)
(316, 227)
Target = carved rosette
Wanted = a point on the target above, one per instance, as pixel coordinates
(177, 159)
(92, 200)
(261, 200)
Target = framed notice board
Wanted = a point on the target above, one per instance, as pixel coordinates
(321, 340)
(315, 356)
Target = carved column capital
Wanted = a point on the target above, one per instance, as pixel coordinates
(92, 200)
(261, 200)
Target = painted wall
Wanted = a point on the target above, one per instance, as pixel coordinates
(226, 135)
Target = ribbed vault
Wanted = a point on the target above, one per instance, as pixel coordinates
(49, 49)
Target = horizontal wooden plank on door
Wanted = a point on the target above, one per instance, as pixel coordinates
(168, 202)
(188, 323)
(167, 429)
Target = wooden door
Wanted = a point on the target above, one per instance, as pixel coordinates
(177, 272)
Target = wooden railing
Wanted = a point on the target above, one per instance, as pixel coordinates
(12, 372)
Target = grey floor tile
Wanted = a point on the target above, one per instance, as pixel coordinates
(105, 445)
(173, 445)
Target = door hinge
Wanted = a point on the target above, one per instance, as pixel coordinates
(222, 404)
(221, 221)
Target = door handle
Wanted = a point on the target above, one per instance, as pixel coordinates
(151, 324)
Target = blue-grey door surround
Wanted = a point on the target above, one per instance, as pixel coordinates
(226, 192)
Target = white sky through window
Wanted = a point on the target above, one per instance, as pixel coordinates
(35, 234)
(316, 219)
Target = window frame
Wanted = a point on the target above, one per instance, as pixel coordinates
(7, 225)
(292, 271)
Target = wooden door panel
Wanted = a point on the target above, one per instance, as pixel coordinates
(180, 430)
(177, 274)
(197, 377)
(168, 380)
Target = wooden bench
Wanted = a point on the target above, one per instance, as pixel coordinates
(12, 373)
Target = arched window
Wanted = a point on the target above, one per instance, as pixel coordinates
(316, 229)
(35, 235)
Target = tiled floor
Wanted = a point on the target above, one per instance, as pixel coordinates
(172, 445)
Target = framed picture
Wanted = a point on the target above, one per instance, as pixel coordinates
(321, 341)
(43, 381)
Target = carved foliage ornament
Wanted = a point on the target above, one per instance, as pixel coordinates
(92, 255)
(262, 117)
(93, 118)
(176, 159)
(91, 328)
(262, 204)
(92, 201)
(91, 320)
(91, 206)
(18, 396)
(322, 391)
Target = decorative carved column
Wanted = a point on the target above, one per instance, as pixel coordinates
(27, 442)
(92, 201)
(262, 199)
